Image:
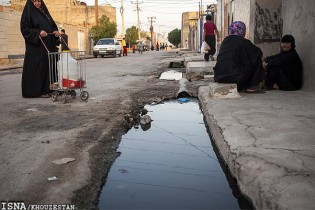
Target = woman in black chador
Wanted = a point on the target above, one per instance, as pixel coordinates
(36, 21)
(239, 61)
(284, 70)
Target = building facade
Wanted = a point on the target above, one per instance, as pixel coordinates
(190, 30)
(268, 20)
(75, 17)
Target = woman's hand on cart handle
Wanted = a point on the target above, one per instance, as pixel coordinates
(43, 33)
(56, 33)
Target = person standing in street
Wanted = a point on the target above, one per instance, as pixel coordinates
(40, 33)
(209, 32)
(123, 42)
(64, 41)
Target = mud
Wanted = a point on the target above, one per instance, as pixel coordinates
(37, 131)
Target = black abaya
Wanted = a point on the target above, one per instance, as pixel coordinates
(284, 69)
(239, 61)
(35, 76)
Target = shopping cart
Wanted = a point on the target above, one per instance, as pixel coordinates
(67, 73)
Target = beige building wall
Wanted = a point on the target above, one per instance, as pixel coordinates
(77, 19)
(11, 40)
(189, 21)
(12, 44)
(65, 11)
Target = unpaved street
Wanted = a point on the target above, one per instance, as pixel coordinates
(34, 132)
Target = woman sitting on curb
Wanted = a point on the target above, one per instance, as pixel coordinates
(284, 70)
(239, 61)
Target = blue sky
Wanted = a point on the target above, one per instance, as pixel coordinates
(167, 12)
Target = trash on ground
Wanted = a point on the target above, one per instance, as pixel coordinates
(183, 100)
(63, 161)
(53, 178)
(32, 110)
(145, 119)
(143, 111)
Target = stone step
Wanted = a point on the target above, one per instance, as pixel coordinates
(222, 90)
(197, 70)
(193, 59)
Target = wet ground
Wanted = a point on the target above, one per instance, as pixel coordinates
(169, 164)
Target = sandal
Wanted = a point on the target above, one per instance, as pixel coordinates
(45, 96)
(253, 91)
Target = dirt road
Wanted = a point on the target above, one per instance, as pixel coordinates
(35, 132)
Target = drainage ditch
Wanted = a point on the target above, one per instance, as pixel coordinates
(170, 163)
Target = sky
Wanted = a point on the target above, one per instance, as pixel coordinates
(167, 13)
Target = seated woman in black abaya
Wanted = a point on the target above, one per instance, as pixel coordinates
(239, 61)
(284, 70)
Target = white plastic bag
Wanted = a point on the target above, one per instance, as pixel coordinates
(68, 71)
(204, 47)
(69, 67)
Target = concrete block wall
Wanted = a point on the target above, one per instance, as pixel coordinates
(299, 21)
(242, 12)
(268, 25)
(11, 40)
(262, 19)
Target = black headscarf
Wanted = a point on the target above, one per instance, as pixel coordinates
(34, 20)
(289, 39)
(38, 14)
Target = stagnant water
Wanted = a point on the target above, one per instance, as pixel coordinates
(170, 165)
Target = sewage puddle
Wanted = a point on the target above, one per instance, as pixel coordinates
(171, 165)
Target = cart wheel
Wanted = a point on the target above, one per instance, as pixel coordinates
(64, 98)
(73, 94)
(54, 96)
(84, 95)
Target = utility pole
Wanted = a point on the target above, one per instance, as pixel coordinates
(138, 10)
(96, 12)
(122, 19)
(151, 20)
(201, 10)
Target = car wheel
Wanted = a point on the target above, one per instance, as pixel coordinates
(102, 56)
(95, 56)
(120, 53)
(114, 54)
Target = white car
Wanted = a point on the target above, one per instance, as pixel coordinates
(107, 46)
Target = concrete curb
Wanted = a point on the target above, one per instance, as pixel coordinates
(266, 140)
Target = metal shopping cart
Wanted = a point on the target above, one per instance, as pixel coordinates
(67, 73)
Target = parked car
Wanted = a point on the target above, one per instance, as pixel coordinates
(107, 46)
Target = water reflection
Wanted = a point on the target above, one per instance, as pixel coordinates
(170, 166)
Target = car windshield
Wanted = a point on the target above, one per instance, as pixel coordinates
(105, 42)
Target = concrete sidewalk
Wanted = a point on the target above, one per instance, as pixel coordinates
(267, 141)
(11, 64)
(18, 63)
